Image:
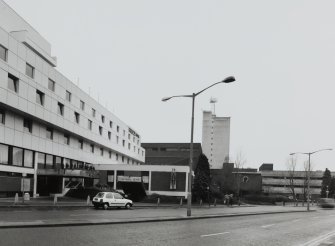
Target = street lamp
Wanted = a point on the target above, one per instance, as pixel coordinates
(193, 95)
(309, 170)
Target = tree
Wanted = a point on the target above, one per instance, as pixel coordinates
(332, 188)
(239, 164)
(291, 164)
(202, 179)
(326, 179)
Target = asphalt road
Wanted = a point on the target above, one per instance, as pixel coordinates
(315, 228)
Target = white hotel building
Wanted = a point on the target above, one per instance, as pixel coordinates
(52, 133)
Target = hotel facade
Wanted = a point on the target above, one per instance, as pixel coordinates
(52, 133)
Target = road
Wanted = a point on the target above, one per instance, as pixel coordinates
(314, 228)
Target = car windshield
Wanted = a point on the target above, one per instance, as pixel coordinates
(100, 195)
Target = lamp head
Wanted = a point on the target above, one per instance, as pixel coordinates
(229, 79)
(164, 99)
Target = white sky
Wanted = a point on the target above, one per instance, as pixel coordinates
(133, 53)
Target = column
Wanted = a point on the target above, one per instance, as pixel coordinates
(114, 182)
(35, 174)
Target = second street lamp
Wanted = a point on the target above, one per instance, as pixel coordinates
(229, 79)
(309, 170)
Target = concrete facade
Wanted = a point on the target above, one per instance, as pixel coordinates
(49, 127)
(215, 139)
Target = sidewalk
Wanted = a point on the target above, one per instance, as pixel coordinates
(31, 217)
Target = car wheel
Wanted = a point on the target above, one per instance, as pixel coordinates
(106, 206)
(128, 206)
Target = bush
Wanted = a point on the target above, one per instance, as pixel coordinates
(163, 199)
(262, 199)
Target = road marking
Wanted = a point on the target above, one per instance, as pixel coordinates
(267, 226)
(318, 240)
(316, 217)
(296, 220)
(215, 234)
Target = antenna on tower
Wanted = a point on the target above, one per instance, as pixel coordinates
(213, 101)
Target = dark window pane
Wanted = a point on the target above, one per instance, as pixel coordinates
(41, 161)
(51, 85)
(68, 96)
(2, 116)
(3, 53)
(13, 83)
(49, 161)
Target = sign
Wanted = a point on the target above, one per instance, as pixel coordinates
(25, 184)
(129, 179)
(110, 178)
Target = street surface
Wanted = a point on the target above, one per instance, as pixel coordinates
(313, 228)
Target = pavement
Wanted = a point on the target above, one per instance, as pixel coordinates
(42, 212)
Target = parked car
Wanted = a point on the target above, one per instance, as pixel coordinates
(327, 203)
(111, 199)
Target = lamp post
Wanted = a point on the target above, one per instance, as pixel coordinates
(193, 95)
(309, 170)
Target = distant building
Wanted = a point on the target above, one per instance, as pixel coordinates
(173, 154)
(277, 182)
(215, 139)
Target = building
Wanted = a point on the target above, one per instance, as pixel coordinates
(215, 139)
(173, 154)
(283, 182)
(52, 133)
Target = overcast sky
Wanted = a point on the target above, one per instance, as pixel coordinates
(133, 53)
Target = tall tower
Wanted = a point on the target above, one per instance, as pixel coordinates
(215, 139)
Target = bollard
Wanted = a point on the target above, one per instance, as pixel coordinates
(215, 202)
(88, 201)
(181, 202)
(16, 198)
(158, 201)
(201, 203)
(55, 199)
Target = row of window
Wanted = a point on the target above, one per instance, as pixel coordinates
(13, 84)
(10, 155)
(28, 123)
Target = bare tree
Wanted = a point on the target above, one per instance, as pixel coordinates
(240, 161)
(291, 164)
(305, 183)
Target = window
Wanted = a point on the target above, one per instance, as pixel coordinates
(134, 149)
(92, 148)
(2, 116)
(117, 139)
(40, 97)
(49, 161)
(51, 85)
(100, 130)
(28, 125)
(81, 144)
(82, 105)
(3, 53)
(127, 160)
(17, 156)
(123, 143)
(110, 154)
(117, 156)
(111, 124)
(30, 70)
(60, 109)
(117, 196)
(90, 124)
(68, 96)
(128, 145)
(66, 139)
(109, 135)
(3, 154)
(117, 128)
(122, 158)
(41, 161)
(13, 83)
(93, 112)
(58, 162)
(124, 133)
(134, 139)
(50, 133)
(102, 118)
(28, 158)
(77, 117)
(101, 151)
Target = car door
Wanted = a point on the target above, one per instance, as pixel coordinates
(110, 199)
(119, 200)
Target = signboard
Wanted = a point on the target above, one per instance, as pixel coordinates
(145, 179)
(129, 179)
(25, 184)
